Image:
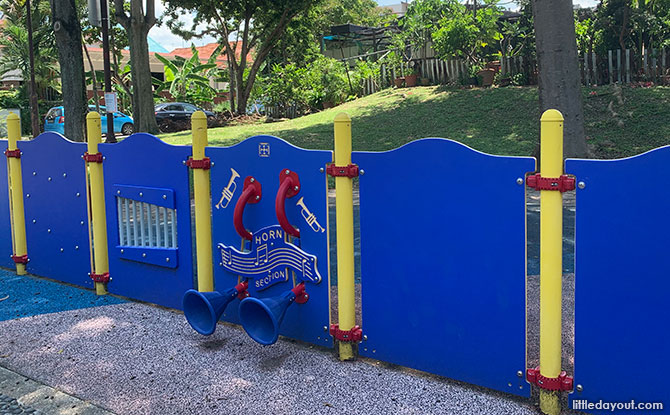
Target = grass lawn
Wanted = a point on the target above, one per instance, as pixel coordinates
(619, 121)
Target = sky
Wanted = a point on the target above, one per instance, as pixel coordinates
(169, 41)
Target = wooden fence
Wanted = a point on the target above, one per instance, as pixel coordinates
(617, 66)
(282, 111)
(437, 71)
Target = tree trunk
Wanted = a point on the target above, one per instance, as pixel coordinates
(70, 57)
(558, 70)
(144, 114)
(137, 27)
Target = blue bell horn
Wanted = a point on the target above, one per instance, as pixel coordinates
(203, 309)
(261, 317)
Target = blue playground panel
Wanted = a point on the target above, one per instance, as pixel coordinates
(444, 261)
(54, 187)
(621, 280)
(264, 158)
(30, 296)
(143, 272)
(6, 248)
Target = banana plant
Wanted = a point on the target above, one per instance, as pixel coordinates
(189, 79)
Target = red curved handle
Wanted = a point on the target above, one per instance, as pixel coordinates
(289, 187)
(251, 194)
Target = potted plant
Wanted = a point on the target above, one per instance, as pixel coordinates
(411, 77)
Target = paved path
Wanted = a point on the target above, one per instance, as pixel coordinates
(21, 395)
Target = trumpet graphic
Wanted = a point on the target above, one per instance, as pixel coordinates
(229, 191)
(309, 217)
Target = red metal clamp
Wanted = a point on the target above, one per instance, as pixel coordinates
(104, 278)
(20, 259)
(13, 153)
(342, 171)
(93, 158)
(562, 184)
(289, 186)
(353, 335)
(241, 289)
(205, 163)
(251, 194)
(301, 295)
(562, 383)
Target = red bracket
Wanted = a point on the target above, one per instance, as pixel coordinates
(93, 158)
(205, 163)
(20, 259)
(562, 383)
(562, 184)
(104, 278)
(241, 289)
(13, 153)
(342, 171)
(353, 335)
(301, 295)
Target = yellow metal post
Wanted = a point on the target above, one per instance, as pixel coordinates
(97, 201)
(551, 254)
(16, 192)
(203, 210)
(344, 211)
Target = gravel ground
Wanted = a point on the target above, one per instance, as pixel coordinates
(137, 359)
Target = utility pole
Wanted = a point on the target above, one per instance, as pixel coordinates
(104, 14)
(34, 108)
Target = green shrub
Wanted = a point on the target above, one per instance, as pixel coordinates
(323, 80)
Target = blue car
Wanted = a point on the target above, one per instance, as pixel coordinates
(55, 121)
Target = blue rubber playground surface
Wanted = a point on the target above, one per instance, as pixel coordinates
(25, 296)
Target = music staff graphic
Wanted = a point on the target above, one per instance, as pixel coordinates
(309, 217)
(229, 191)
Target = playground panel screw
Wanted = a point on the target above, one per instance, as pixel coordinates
(76, 247)
(581, 185)
(321, 170)
(141, 194)
(34, 173)
(519, 374)
(144, 255)
(287, 171)
(164, 197)
(167, 259)
(48, 230)
(62, 250)
(27, 194)
(122, 251)
(580, 388)
(251, 180)
(34, 221)
(258, 197)
(362, 172)
(325, 328)
(118, 192)
(78, 194)
(296, 188)
(48, 178)
(64, 174)
(519, 181)
(81, 223)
